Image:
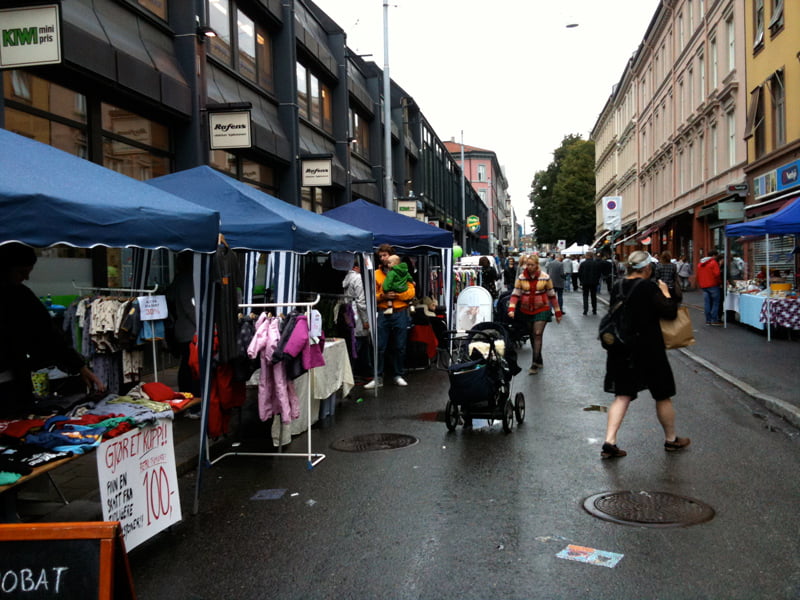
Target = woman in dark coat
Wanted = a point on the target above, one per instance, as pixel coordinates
(641, 364)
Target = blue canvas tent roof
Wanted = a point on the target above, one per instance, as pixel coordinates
(48, 197)
(784, 222)
(390, 227)
(253, 220)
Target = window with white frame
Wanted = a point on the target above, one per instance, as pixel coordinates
(758, 23)
(731, 122)
(692, 166)
(681, 35)
(778, 109)
(714, 147)
(713, 65)
(731, 31)
(481, 172)
(690, 13)
(681, 173)
(701, 70)
(681, 101)
(776, 21)
(690, 89)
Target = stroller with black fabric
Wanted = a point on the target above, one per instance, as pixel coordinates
(517, 330)
(480, 365)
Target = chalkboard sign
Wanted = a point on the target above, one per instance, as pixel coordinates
(64, 560)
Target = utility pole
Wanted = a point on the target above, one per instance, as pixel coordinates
(463, 199)
(388, 201)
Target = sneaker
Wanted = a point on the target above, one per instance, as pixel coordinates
(716, 323)
(611, 451)
(678, 443)
(533, 370)
(373, 384)
(400, 381)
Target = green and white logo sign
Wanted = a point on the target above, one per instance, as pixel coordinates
(473, 223)
(30, 36)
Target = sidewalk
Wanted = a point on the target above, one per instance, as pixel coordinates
(740, 355)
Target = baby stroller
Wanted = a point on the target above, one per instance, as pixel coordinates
(482, 362)
(517, 331)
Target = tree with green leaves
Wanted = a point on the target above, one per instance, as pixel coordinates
(562, 196)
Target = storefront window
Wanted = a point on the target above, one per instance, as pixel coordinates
(223, 161)
(28, 90)
(134, 128)
(52, 133)
(261, 176)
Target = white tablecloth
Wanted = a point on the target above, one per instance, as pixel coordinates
(750, 310)
(335, 375)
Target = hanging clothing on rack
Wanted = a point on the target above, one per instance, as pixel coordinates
(276, 393)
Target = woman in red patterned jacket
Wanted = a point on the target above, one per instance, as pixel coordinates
(536, 300)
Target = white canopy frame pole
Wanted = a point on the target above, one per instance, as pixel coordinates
(769, 292)
(312, 458)
(128, 291)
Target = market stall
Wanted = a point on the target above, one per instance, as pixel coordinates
(779, 306)
(257, 222)
(82, 204)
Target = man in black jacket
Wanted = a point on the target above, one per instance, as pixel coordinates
(589, 274)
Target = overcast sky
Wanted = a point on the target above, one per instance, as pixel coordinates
(508, 73)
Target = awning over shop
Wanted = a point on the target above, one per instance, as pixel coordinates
(599, 238)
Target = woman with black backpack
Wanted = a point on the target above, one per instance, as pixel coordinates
(641, 362)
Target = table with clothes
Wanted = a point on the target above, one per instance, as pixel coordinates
(62, 432)
(328, 382)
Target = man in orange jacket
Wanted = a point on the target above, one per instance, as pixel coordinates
(394, 325)
(709, 279)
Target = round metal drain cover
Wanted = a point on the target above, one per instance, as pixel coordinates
(374, 441)
(648, 509)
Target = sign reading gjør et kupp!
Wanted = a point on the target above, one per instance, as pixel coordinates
(30, 36)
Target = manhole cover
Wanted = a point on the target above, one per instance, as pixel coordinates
(648, 509)
(374, 441)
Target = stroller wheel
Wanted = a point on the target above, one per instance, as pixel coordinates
(451, 416)
(508, 416)
(519, 406)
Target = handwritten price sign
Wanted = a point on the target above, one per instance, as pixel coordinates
(138, 482)
(153, 308)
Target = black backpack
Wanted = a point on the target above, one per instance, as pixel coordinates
(615, 331)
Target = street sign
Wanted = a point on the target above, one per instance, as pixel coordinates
(612, 212)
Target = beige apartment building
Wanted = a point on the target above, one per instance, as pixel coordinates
(670, 140)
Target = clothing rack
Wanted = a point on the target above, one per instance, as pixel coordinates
(317, 458)
(127, 291)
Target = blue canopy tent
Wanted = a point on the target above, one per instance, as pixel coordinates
(786, 221)
(403, 233)
(51, 197)
(257, 222)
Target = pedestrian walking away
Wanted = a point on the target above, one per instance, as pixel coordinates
(641, 363)
(589, 273)
(555, 269)
(537, 301)
(709, 279)
(568, 270)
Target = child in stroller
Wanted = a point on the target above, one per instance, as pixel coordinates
(481, 366)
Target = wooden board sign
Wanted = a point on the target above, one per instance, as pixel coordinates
(64, 560)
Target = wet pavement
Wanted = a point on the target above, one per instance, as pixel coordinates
(484, 514)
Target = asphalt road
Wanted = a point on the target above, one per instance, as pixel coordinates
(484, 514)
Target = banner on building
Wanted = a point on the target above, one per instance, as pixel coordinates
(30, 36)
(612, 212)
